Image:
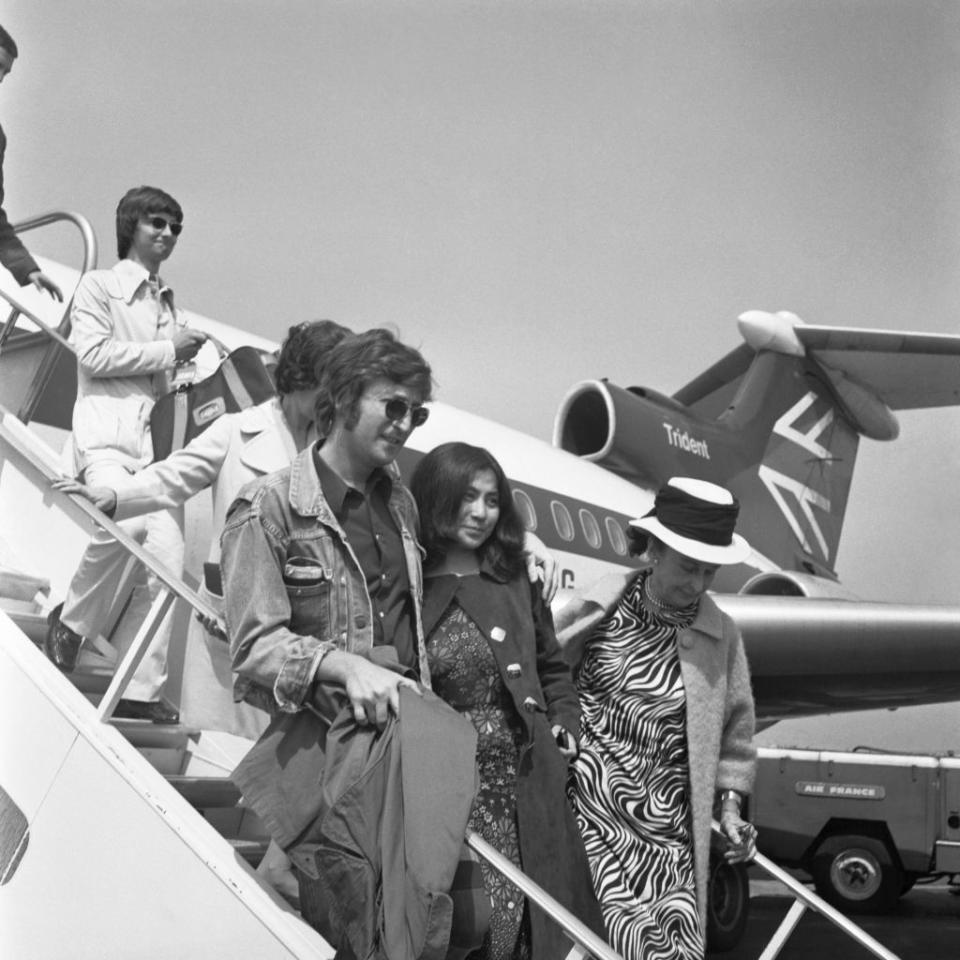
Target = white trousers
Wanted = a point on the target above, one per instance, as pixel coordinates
(206, 697)
(93, 590)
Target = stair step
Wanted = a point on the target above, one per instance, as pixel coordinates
(93, 672)
(251, 850)
(206, 792)
(167, 762)
(19, 586)
(33, 624)
(91, 681)
(144, 734)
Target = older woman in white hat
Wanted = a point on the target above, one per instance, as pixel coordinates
(667, 723)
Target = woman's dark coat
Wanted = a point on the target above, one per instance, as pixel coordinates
(551, 849)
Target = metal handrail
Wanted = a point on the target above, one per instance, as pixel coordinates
(19, 439)
(29, 452)
(89, 262)
(805, 899)
(19, 310)
(588, 942)
(78, 219)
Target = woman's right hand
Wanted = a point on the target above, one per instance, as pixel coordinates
(103, 498)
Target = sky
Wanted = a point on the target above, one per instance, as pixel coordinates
(534, 193)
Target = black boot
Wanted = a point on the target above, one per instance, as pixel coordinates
(61, 644)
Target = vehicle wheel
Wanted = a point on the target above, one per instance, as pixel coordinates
(728, 904)
(857, 874)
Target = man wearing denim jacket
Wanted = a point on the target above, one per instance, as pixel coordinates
(322, 584)
(327, 549)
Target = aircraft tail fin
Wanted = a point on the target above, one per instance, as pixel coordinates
(794, 462)
(778, 420)
(799, 409)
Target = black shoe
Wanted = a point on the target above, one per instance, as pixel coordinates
(61, 644)
(156, 711)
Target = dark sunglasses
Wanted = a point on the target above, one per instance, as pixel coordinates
(397, 408)
(158, 223)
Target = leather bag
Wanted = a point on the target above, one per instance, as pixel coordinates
(241, 381)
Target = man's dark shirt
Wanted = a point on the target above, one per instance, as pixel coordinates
(376, 541)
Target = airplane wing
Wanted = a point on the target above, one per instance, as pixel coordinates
(813, 656)
(908, 371)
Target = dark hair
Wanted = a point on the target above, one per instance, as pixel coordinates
(359, 360)
(637, 540)
(304, 354)
(640, 542)
(136, 203)
(439, 483)
(6, 41)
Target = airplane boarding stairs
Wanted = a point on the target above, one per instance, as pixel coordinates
(131, 836)
(129, 833)
(125, 838)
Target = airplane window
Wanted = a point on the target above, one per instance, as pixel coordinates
(590, 527)
(528, 513)
(562, 520)
(618, 539)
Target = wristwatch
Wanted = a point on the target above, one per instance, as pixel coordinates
(728, 795)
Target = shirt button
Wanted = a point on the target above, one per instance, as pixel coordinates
(514, 670)
(360, 622)
(382, 614)
(686, 642)
(529, 704)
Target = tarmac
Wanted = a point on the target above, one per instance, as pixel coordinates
(925, 925)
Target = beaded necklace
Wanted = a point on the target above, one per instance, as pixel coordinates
(661, 606)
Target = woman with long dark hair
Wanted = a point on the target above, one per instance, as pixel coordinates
(494, 657)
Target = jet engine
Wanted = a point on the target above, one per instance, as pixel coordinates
(612, 427)
(792, 583)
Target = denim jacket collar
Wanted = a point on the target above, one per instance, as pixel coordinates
(306, 493)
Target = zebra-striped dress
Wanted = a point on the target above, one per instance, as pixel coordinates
(629, 785)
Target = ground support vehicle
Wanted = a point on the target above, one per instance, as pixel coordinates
(866, 825)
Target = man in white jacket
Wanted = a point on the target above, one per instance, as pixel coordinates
(132, 344)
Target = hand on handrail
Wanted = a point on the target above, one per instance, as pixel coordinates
(103, 498)
(42, 282)
(739, 834)
(212, 625)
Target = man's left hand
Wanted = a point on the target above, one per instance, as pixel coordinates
(42, 282)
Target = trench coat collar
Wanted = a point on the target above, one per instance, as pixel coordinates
(131, 276)
(267, 442)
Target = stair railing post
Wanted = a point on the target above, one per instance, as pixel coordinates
(818, 904)
(131, 659)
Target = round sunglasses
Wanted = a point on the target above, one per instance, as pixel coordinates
(159, 223)
(397, 408)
